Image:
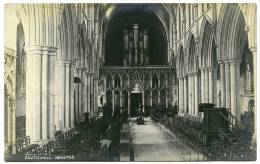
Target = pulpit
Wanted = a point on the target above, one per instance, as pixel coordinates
(215, 120)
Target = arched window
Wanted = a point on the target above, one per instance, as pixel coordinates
(155, 81)
(117, 81)
(109, 81)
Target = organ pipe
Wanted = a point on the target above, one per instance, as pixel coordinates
(135, 46)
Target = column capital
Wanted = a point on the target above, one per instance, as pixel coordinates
(203, 68)
(192, 73)
(66, 62)
(73, 62)
(188, 73)
(235, 61)
(252, 49)
(195, 73)
(226, 61)
(221, 61)
(212, 69)
(185, 76)
(40, 49)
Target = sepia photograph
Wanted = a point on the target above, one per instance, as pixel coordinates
(129, 82)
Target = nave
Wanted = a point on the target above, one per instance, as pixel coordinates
(160, 136)
(154, 142)
(76, 79)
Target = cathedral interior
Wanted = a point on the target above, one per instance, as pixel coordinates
(130, 82)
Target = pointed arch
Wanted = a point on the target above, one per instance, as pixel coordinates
(117, 80)
(181, 64)
(155, 80)
(230, 32)
(109, 81)
(192, 54)
(206, 44)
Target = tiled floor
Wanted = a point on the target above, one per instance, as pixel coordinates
(152, 143)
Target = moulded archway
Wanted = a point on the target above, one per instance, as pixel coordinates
(145, 15)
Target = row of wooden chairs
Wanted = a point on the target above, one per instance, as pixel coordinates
(64, 143)
(188, 136)
(24, 146)
(233, 145)
(91, 136)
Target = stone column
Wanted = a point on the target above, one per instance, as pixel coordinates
(189, 94)
(222, 84)
(120, 98)
(211, 85)
(80, 87)
(8, 121)
(159, 96)
(253, 50)
(182, 95)
(185, 96)
(29, 94)
(206, 95)
(10, 117)
(227, 84)
(38, 91)
(196, 95)
(128, 101)
(238, 95)
(91, 87)
(13, 126)
(151, 98)
(96, 94)
(143, 101)
(87, 93)
(51, 98)
(67, 94)
(44, 95)
(113, 101)
(72, 96)
(84, 93)
(76, 88)
(59, 93)
(235, 92)
(36, 137)
(192, 94)
(93, 100)
(202, 85)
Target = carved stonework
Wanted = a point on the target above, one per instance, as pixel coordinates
(144, 80)
(10, 64)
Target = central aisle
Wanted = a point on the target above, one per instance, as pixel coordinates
(150, 144)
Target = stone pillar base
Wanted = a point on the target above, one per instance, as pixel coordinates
(44, 142)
